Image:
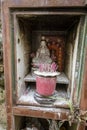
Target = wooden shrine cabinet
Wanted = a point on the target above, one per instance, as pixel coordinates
(63, 22)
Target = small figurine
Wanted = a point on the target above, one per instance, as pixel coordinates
(42, 54)
(53, 55)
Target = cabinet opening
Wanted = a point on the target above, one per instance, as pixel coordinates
(28, 123)
(61, 31)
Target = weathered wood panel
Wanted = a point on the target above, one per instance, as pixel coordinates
(46, 3)
(7, 68)
(41, 112)
(83, 104)
(83, 99)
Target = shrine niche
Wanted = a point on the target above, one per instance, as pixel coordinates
(47, 40)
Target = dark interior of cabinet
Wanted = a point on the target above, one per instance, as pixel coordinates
(23, 123)
(28, 32)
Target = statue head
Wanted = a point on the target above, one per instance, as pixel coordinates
(43, 42)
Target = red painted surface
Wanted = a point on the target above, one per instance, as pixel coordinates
(45, 85)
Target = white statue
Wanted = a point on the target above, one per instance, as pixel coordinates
(42, 54)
